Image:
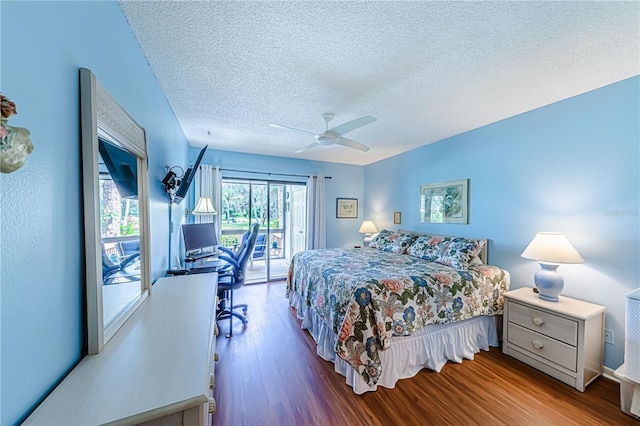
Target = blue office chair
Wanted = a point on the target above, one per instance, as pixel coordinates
(233, 277)
(260, 251)
(233, 254)
(111, 268)
(130, 247)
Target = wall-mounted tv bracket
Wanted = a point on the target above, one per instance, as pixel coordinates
(171, 181)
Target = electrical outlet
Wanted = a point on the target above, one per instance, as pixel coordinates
(608, 336)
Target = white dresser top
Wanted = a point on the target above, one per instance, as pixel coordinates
(566, 305)
(157, 363)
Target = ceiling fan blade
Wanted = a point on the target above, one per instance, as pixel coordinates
(352, 125)
(352, 144)
(308, 147)
(279, 126)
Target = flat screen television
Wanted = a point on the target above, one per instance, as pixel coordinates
(187, 178)
(123, 168)
(199, 236)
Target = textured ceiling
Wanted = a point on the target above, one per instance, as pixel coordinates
(425, 70)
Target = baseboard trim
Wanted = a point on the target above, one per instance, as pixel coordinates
(608, 373)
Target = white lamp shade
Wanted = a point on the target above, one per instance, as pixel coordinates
(368, 227)
(551, 247)
(204, 206)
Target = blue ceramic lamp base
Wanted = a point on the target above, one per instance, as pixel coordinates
(548, 282)
(367, 239)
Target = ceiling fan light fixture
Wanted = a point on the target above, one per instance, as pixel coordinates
(327, 139)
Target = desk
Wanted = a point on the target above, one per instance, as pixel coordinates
(205, 266)
(157, 368)
(200, 266)
(201, 256)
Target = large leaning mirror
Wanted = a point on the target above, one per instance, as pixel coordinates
(116, 211)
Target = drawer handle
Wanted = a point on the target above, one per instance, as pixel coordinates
(212, 405)
(212, 381)
(538, 321)
(537, 344)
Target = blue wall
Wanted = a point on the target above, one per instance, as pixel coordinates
(41, 243)
(571, 167)
(346, 182)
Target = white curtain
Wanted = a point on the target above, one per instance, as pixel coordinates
(316, 220)
(209, 184)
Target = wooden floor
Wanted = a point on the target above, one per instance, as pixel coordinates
(269, 374)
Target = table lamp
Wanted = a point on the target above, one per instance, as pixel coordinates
(550, 249)
(367, 228)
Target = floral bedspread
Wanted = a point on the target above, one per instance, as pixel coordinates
(368, 296)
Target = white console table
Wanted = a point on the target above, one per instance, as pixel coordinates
(158, 368)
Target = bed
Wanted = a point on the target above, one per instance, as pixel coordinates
(408, 302)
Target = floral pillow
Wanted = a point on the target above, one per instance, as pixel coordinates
(379, 236)
(428, 247)
(392, 241)
(459, 252)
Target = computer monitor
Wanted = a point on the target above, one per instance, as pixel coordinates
(199, 236)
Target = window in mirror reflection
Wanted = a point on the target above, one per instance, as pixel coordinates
(119, 227)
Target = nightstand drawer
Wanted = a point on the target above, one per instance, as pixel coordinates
(557, 352)
(545, 323)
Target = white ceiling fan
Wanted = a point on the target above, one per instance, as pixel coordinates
(335, 135)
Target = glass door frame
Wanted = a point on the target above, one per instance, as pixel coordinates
(282, 207)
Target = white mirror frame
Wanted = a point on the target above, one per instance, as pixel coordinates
(101, 115)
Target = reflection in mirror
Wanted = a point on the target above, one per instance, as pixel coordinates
(115, 189)
(119, 229)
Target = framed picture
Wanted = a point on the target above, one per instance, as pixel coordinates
(397, 218)
(444, 202)
(347, 208)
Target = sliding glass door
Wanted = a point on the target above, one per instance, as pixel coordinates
(280, 210)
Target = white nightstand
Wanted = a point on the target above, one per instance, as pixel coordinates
(564, 339)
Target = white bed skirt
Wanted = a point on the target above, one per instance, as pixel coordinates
(431, 348)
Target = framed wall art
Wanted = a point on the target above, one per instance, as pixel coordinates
(397, 218)
(445, 202)
(347, 208)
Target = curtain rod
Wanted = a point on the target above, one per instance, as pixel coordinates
(268, 173)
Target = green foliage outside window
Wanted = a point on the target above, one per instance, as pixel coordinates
(118, 217)
(235, 205)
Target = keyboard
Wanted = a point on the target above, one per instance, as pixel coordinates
(203, 270)
(196, 257)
